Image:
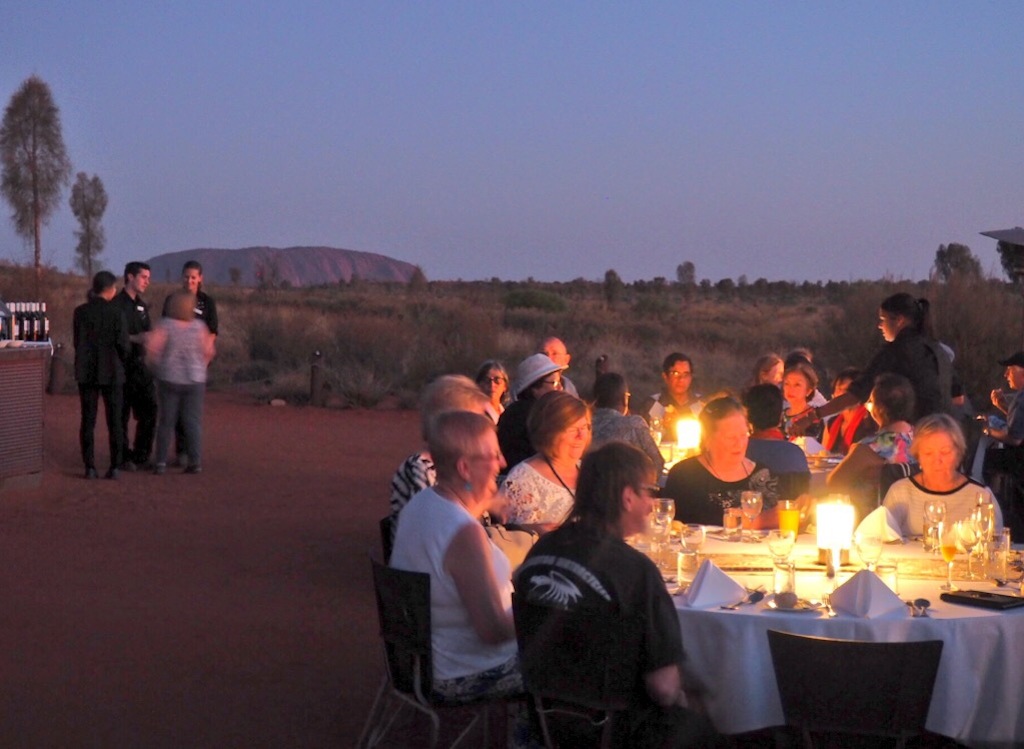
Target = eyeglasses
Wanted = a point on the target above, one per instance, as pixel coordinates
(555, 383)
(651, 490)
(580, 431)
(495, 379)
(678, 375)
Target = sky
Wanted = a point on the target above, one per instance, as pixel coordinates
(552, 140)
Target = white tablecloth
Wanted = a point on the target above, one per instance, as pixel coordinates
(979, 691)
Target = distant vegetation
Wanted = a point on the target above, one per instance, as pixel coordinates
(381, 342)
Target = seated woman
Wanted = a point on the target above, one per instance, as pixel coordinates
(799, 383)
(535, 376)
(768, 370)
(492, 379)
(540, 491)
(891, 405)
(938, 447)
(850, 426)
(702, 486)
(472, 636)
(446, 393)
(612, 422)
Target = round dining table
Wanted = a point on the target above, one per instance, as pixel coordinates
(978, 698)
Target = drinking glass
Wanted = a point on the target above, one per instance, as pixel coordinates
(968, 534)
(693, 536)
(947, 546)
(751, 503)
(780, 544)
(869, 549)
(661, 520)
(655, 428)
(934, 514)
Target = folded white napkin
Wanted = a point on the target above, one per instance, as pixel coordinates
(865, 596)
(712, 587)
(881, 523)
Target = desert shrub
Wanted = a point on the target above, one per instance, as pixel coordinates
(535, 299)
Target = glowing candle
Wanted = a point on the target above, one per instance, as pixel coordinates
(688, 435)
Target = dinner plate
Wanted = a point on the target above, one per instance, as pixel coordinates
(802, 607)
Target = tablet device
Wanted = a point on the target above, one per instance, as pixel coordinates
(983, 598)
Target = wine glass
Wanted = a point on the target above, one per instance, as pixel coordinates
(869, 549)
(947, 546)
(780, 544)
(656, 427)
(661, 521)
(751, 503)
(968, 535)
(934, 514)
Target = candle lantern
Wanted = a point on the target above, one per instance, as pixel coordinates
(834, 520)
(687, 437)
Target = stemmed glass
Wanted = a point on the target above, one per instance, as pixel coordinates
(661, 520)
(947, 545)
(984, 518)
(968, 534)
(869, 549)
(656, 430)
(934, 515)
(751, 503)
(780, 544)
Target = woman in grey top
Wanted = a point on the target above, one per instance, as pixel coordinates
(178, 351)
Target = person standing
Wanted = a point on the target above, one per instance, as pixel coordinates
(139, 388)
(554, 349)
(101, 348)
(178, 351)
(205, 309)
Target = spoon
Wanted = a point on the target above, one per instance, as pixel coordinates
(753, 597)
(919, 606)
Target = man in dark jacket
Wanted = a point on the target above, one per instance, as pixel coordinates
(139, 388)
(101, 347)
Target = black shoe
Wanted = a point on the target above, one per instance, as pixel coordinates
(90, 473)
(112, 474)
(160, 469)
(194, 469)
(129, 467)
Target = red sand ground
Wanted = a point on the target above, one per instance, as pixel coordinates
(229, 609)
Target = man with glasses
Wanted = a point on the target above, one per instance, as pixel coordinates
(676, 398)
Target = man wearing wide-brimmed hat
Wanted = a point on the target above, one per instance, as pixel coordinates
(535, 375)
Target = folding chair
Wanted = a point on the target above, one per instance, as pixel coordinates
(579, 668)
(403, 607)
(854, 688)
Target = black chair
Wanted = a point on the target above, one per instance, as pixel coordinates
(579, 668)
(387, 537)
(889, 474)
(854, 688)
(403, 607)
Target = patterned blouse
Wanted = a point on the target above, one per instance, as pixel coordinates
(532, 498)
(892, 447)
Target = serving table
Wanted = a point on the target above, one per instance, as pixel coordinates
(979, 690)
(22, 380)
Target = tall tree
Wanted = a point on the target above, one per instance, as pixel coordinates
(612, 287)
(88, 203)
(956, 260)
(1011, 256)
(686, 274)
(35, 163)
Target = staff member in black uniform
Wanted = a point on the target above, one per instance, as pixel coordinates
(205, 310)
(910, 351)
(139, 387)
(101, 347)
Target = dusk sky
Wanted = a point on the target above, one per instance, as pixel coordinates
(786, 140)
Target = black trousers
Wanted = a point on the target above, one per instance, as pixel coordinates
(140, 399)
(90, 398)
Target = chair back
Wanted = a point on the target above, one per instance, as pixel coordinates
(387, 536)
(841, 686)
(587, 658)
(403, 607)
(889, 474)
